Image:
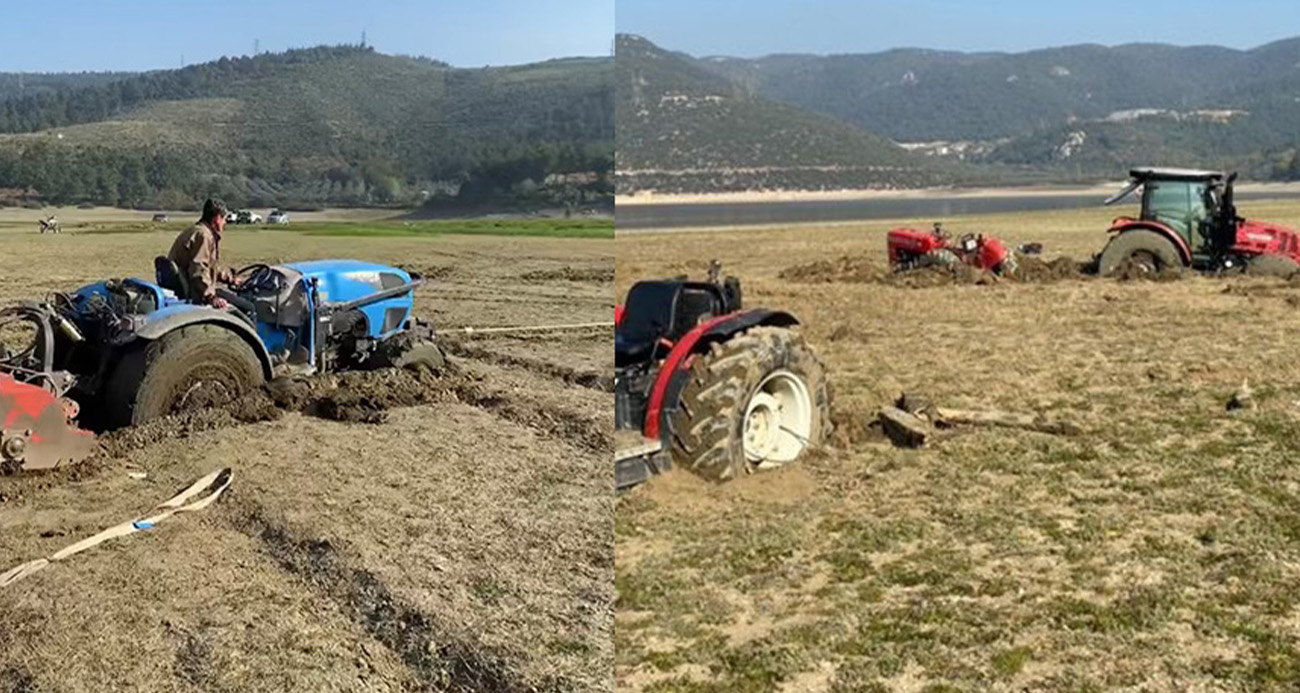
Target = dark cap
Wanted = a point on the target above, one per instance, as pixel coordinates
(213, 209)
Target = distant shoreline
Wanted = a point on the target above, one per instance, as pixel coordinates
(774, 196)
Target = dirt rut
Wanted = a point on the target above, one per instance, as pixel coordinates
(441, 657)
(360, 397)
(572, 376)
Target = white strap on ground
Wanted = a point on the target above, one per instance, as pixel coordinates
(214, 484)
(528, 328)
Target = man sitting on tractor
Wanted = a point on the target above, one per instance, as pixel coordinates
(196, 253)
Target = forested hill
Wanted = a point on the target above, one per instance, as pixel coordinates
(1085, 110)
(326, 125)
(684, 128)
(915, 94)
(14, 85)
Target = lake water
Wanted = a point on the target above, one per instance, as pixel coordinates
(632, 217)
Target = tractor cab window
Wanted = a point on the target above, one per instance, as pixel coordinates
(1180, 205)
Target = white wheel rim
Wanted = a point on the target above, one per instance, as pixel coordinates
(778, 420)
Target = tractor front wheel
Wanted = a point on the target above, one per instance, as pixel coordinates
(1146, 251)
(755, 401)
(1272, 266)
(193, 367)
(410, 350)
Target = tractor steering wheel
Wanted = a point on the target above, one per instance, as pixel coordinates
(255, 276)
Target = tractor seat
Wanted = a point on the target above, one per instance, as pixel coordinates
(647, 318)
(169, 276)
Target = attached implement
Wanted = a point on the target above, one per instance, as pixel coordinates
(1188, 219)
(130, 350)
(911, 249)
(704, 383)
(39, 430)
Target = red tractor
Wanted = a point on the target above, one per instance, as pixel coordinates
(709, 385)
(1188, 219)
(912, 249)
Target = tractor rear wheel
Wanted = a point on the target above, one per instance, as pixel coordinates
(755, 401)
(193, 367)
(1272, 266)
(1148, 251)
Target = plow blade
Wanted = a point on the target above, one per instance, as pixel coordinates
(38, 430)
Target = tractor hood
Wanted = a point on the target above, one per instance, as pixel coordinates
(348, 280)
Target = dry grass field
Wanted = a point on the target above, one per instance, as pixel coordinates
(1158, 550)
(462, 543)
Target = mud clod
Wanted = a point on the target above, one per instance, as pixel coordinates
(853, 269)
(15, 680)
(597, 275)
(1128, 271)
(1035, 270)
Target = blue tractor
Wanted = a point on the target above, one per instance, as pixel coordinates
(129, 350)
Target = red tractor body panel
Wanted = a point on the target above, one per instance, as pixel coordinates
(1123, 224)
(990, 254)
(904, 242)
(1261, 238)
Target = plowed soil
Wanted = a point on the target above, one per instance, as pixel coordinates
(385, 531)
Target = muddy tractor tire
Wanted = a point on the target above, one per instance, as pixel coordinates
(755, 401)
(1145, 249)
(942, 257)
(193, 367)
(409, 351)
(1272, 266)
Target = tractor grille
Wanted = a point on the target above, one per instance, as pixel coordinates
(393, 318)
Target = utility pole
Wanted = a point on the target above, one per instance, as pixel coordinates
(363, 38)
(257, 47)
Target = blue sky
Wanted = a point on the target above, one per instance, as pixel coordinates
(751, 28)
(63, 35)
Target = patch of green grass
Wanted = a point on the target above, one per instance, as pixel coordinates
(1141, 609)
(1008, 663)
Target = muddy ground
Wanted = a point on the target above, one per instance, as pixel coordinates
(384, 532)
(1159, 550)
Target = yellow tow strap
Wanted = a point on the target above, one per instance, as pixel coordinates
(214, 484)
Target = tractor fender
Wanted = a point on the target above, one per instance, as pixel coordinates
(676, 366)
(194, 315)
(1124, 224)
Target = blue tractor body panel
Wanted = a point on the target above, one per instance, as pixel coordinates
(341, 281)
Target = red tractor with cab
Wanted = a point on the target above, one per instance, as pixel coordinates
(707, 384)
(911, 249)
(1188, 220)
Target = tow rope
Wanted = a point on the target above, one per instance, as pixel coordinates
(213, 484)
(527, 328)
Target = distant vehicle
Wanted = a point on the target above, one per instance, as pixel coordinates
(277, 217)
(161, 218)
(244, 216)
